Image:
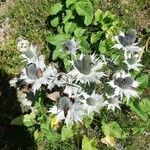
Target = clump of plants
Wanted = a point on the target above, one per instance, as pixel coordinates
(93, 73)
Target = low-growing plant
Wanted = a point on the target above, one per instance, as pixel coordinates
(102, 78)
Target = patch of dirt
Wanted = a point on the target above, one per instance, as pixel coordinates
(4, 4)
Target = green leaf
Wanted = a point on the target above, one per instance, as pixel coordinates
(95, 37)
(88, 120)
(68, 16)
(85, 8)
(102, 47)
(84, 46)
(55, 22)
(113, 129)
(70, 2)
(144, 105)
(56, 8)
(88, 144)
(27, 120)
(79, 32)
(70, 27)
(66, 133)
(57, 39)
(98, 17)
(143, 80)
(56, 53)
(135, 108)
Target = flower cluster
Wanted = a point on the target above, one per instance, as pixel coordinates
(76, 98)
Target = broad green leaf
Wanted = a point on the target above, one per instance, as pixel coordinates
(27, 120)
(85, 8)
(144, 105)
(102, 47)
(95, 37)
(66, 133)
(70, 27)
(55, 22)
(84, 46)
(88, 144)
(113, 129)
(135, 108)
(79, 32)
(98, 17)
(143, 80)
(56, 53)
(57, 39)
(68, 16)
(70, 2)
(56, 8)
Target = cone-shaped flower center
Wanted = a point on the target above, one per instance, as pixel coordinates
(84, 66)
(124, 83)
(131, 60)
(64, 103)
(128, 39)
(33, 72)
(91, 101)
(70, 45)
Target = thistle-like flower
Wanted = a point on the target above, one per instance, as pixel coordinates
(92, 103)
(133, 61)
(112, 102)
(124, 84)
(23, 45)
(126, 41)
(71, 46)
(37, 73)
(73, 91)
(30, 54)
(68, 110)
(86, 69)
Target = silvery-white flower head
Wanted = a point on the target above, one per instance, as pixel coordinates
(37, 73)
(68, 111)
(23, 45)
(73, 91)
(124, 84)
(30, 54)
(92, 103)
(133, 62)
(86, 69)
(126, 41)
(71, 46)
(60, 80)
(112, 102)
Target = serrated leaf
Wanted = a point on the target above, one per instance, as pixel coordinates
(56, 8)
(55, 22)
(88, 144)
(70, 27)
(85, 8)
(57, 39)
(143, 80)
(102, 47)
(66, 133)
(70, 2)
(144, 105)
(135, 108)
(56, 53)
(113, 130)
(68, 16)
(98, 17)
(88, 120)
(27, 120)
(95, 37)
(79, 32)
(84, 46)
